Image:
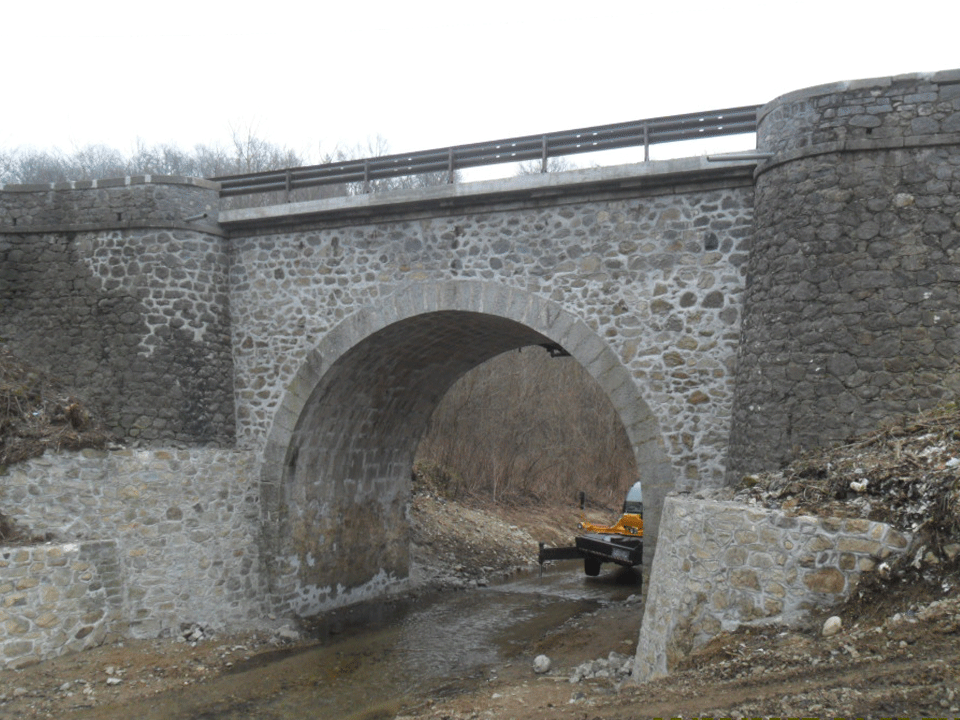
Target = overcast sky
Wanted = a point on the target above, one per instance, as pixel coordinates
(424, 74)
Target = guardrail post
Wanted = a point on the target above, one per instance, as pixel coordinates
(450, 166)
(286, 189)
(543, 155)
(646, 142)
(366, 176)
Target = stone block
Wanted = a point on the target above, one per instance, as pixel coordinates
(16, 626)
(746, 537)
(47, 620)
(15, 600)
(896, 539)
(829, 581)
(720, 599)
(858, 545)
(744, 578)
(831, 524)
(735, 556)
(771, 538)
(18, 648)
(856, 526)
(92, 617)
(772, 607)
(819, 543)
(775, 589)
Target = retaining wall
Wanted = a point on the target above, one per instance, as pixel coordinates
(172, 534)
(722, 564)
(58, 598)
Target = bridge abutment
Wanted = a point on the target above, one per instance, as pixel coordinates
(853, 294)
(119, 287)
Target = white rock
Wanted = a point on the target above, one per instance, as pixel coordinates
(288, 633)
(832, 626)
(541, 664)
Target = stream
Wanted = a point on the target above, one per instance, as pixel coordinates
(377, 658)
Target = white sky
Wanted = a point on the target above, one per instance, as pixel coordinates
(425, 74)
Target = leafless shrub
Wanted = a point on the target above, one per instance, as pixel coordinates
(526, 426)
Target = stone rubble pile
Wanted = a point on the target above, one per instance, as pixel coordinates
(193, 633)
(615, 667)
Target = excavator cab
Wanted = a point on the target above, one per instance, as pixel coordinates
(633, 504)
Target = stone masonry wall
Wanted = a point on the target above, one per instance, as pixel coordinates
(106, 287)
(659, 277)
(721, 564)
(122, 203)
(182, 524)
(852, 305)
(58, 598)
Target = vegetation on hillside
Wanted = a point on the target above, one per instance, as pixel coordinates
(37, 412)
(247, 153)
(526, 426)
(906, 474)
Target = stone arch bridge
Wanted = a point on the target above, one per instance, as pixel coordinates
(372, 308)
(731, 311)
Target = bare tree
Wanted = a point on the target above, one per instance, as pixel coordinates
(526, 425)
(380, 147)
(7, 166)
(554, 164)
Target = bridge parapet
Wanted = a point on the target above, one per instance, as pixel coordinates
(144, 201)
(912, 110)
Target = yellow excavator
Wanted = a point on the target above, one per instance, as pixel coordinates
(620, 543)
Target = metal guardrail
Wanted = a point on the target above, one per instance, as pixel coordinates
(693, 126)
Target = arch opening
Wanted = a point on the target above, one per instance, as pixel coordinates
(336, 473)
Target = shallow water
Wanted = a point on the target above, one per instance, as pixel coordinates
(377, 658)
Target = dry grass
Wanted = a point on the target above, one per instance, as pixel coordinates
(37, 412)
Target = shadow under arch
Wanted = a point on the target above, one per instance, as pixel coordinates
(337, 461)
